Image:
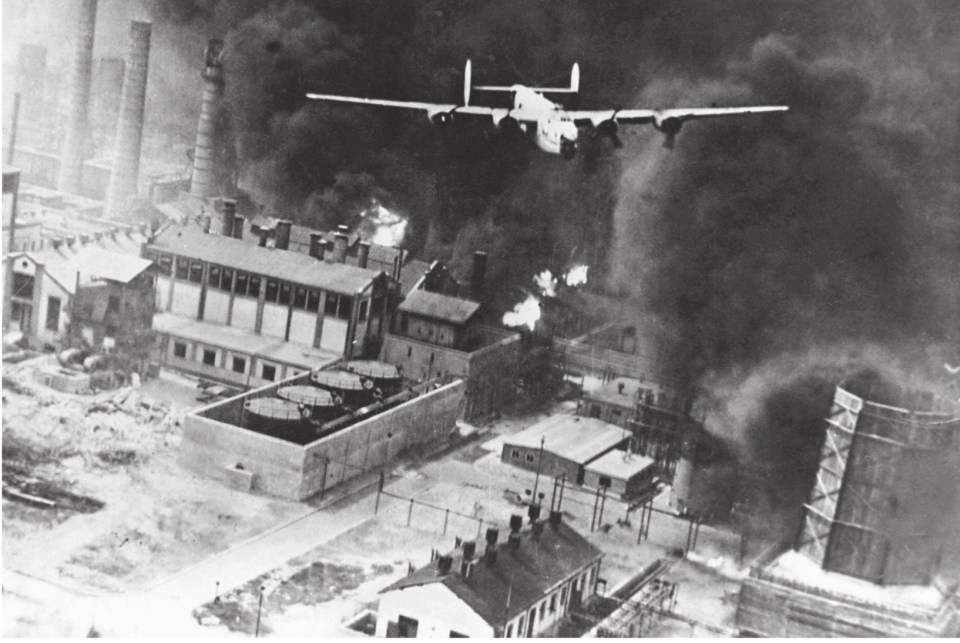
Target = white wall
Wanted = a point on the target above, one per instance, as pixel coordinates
(437, 609)
(333, 337)
(244, 313)
(216, 306)
(163, 292)
(275, 321)
(303, 327)
(186, 299)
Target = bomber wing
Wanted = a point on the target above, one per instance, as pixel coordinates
(640, 116)
(432, 109)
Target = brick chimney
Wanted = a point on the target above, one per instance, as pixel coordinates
(229, 214)
(363, 254)
(238, 227)
(477, 275)
(205, 182)
(316, 245)
(282, 240)
(340, 244)
(78, 126)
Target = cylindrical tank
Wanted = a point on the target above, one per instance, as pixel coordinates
(78, 126)
(353, 389)
(385, 377)
(705, 479)
(318, 405)
(275, 417)
(126, 161)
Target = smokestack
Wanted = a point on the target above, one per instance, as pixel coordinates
(340, 245)
(74, 145)
(126, 161)
(204, 182)
(238, 227)
(282, 240)
(229, 213)
(316, 245)
(363, 254)
(14, 124)
(108, 81)
(477, 275)
(31, 73)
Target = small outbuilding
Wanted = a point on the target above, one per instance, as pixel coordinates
(568, 443)
(623, 473)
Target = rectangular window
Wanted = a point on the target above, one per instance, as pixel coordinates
(346, 304)
(515, 454)
(509, 631)
(209, 357)
(22, 286)
(239, 365)
(213, 279)
(300, 297)
(226, 279)
(407, 627)
(183, 267)
(313, 301)
(166, 264)
(242, 283)
(553, 603)
(253, 289)
(543, 609)
(363, 310)
(530, 457)
(53, 313)
(180, 350)
(113, 304)
(284, 297)
(330, 305)
(196, 272)
(268, 372)
(563, 595)
(604, 481)
(273, 288)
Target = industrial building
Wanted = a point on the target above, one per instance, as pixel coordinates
(563, 445)
(520, 588)
(247, 314)
(623, 473)
(437, 333)
(877, 526)
(299, 437)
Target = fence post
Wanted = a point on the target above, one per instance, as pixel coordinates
(410, 512)
(446, 517)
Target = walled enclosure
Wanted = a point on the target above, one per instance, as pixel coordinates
(214, 444)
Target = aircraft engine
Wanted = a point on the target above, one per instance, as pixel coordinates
(508, 125)
(609, 129)
(441, 119)
(670, 126)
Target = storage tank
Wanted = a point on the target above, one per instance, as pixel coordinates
(704, 483)
(386, 377)
(354, 389)
(318, 405)
(275, 417)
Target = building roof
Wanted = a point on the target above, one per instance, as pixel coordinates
(242, 341)
(95, 263)
(525, 574)
(437, 306)
(413, 271)
(610, 393)
(578, 439)
(620, 464)
(279, 264)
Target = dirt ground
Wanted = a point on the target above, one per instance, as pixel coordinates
(126, 514)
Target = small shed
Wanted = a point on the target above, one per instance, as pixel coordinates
(623, 473)
(569, 443)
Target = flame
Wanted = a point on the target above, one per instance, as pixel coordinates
(526, 313)
(576, 276)
(382, 226)
(547, 283)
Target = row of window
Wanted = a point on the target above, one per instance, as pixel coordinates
(275, 292)
(208, 356)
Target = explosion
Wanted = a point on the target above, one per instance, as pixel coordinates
(576, 276)
(547, 283)
(382, 226)
(526, 313)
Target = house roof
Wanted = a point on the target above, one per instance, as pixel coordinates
(575, 438)
(620, 464)
(609, 393)
(525, 573)
(95, 263)
(413, 271)
(437, 306)
(279, 264)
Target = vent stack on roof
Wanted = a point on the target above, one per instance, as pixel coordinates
(229, 213)
(316, 245)
(238, 227)
(264, 234)
(477, 275)
(340, 245)
(444, 564)
(282, 241)
(516, 523)
(363, 254)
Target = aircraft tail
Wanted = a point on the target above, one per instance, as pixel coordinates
(574, 87)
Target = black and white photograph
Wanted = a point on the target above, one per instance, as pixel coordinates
(481, 318)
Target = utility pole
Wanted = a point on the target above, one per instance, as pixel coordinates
(539, 464)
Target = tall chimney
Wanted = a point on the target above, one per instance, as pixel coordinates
(316, 245)
(340, 245)
(108, 83)
(363, 254)
(282, 240)
(31, 74)
(205, 181)
(229, 213)
(477, 275)
(126, 161)
(14, 125)
(75, 143)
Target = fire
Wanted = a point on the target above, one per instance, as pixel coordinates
(576, 276)
(382, 226)
(547, 283)
(526, 313)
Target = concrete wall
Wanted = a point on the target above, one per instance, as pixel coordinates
(212, 444)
